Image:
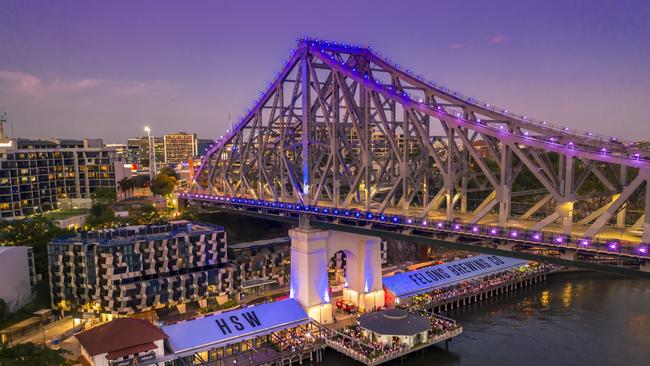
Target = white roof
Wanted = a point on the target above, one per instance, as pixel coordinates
(429, 278)
(234, 326)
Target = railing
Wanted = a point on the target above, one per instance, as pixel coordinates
(555, 240)
(495, 286)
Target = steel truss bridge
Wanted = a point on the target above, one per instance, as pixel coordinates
(355, 142)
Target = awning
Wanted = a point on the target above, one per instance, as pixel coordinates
(430, 278)
(234, 326)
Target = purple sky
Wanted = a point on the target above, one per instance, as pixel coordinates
(105, 69)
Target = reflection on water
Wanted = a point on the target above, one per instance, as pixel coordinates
(567, 294)
(572, 319)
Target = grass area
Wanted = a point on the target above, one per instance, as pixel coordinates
(41, 301)
(64, 214)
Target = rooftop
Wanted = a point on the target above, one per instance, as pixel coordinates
(429, 278)
(119, 336)
(394, 322)
(130, 234)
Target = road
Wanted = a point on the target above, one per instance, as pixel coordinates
(50, 331)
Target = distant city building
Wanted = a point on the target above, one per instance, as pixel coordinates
(179, 147)
(139, 268)
(143, 150)
(134, 151)
(202, 146)
(18, 274)
(38, 175)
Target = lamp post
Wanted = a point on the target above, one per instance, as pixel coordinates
(152, 155)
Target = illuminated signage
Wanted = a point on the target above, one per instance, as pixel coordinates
(233, 326)
(429, 278)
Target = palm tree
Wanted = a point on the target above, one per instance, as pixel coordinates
(126, 185)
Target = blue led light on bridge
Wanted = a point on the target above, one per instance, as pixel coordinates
(382, 217)
(369, 215)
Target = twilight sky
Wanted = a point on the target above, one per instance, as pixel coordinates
(105, 69)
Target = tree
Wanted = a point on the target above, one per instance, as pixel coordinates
(29, 354)
(170, 172)
(104, 196)
(127, 185)
(35, 232)
(4, 310)
(100, 215)
(163, 184)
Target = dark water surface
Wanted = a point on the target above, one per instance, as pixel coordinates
(571, 319)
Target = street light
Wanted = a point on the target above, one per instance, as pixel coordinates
(152, 155)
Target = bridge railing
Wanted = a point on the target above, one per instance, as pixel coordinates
(494, 233)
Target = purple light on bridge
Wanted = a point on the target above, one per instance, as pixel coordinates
(613, 246)
(559, 240)
(409, 221)
(475, 229)
(493, 231)
(643, 250)
(536, 236)
(514, 234)
(424, 223)
(456, 227)
(440, 224)
(584, 242)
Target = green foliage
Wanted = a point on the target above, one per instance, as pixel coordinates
(170, 172)
(35, 232)
(100, 216)
(104, 196)
(30, 354)
(143, 215)
(41, 301)
(163, 184)
(127, 185)
(4, 310)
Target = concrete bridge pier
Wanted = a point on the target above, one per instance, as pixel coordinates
(311, 250)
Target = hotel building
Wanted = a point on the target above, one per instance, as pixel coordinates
(137, 269)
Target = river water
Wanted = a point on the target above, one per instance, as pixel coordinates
(570, 319)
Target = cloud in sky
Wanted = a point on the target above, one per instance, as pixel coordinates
(498, 38)
(92, 107)
(19, 83)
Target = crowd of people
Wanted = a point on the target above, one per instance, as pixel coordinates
(353, 339)
(295, 339)
(478, 285)
(358, 343)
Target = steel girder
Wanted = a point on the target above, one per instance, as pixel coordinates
(342, 125)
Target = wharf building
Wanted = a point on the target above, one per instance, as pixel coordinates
(139, 269)
(39, 175)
